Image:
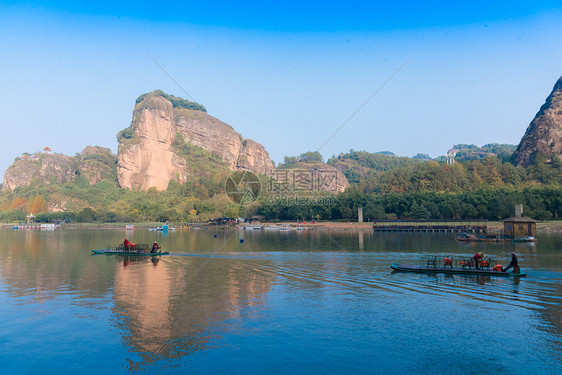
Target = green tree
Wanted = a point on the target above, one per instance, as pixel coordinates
(311, 157)
(419, 212)
(12, 215)
(232, 210)
(125, 133)
(86, 215)
(289, 162)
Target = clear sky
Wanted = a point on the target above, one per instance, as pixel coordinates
(287, 74)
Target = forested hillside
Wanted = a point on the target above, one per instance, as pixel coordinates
(387, 187)
(174, 160)
(390, 187)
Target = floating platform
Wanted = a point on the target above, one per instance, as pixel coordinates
(451, 270)
(430, 226)
(129, 252)
(464, 237)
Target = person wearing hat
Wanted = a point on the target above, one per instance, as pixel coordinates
(513, 263)
(155, 247)
(478, 258)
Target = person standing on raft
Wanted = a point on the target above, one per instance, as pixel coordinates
(514, 263)
(478, 258)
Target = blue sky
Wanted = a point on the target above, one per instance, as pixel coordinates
(286, 74)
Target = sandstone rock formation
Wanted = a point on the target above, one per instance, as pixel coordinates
(148, 153)
(147, 159)
(169, 139)
(254, 157)
(94, 163)
(97, 164)
(19, 174)
(40, 168)
(543, 137)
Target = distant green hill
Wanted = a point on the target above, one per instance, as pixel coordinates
(359, 165)
(473, 152)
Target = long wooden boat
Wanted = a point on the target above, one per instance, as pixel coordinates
(129, 252)
(451, 270)
(466, 237)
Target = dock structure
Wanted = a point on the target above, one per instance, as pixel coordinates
(431, 226)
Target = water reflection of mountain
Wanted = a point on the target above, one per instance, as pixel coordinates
(39, 263)
(168, 308)
(180, 305)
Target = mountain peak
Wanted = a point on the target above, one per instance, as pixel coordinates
(173, 138)
(543, 138)
(176, 101)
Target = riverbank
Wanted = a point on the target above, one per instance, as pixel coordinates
(542, 227)
(114, 226)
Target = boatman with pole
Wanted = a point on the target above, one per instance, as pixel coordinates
(155, 247)
(513, 263)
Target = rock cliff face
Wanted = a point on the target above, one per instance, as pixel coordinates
(543, 137)
(203, 130)
(253, 157)
(39, 168)
(148, 150)
(95, 163)
(19, 174)
(147, 159)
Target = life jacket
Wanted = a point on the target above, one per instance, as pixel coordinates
(497, 267)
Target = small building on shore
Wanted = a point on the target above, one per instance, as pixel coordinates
(523, 226)
(223, 221)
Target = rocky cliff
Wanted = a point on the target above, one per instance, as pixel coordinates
(150, 149)
(543, 138)
(97, 164)
(94, 163)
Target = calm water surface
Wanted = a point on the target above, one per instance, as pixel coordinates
(280, 303)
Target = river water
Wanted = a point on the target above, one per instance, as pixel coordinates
(298, 302)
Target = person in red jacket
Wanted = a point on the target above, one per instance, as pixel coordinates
(126, 244)
(155, 247)
(478, 258)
